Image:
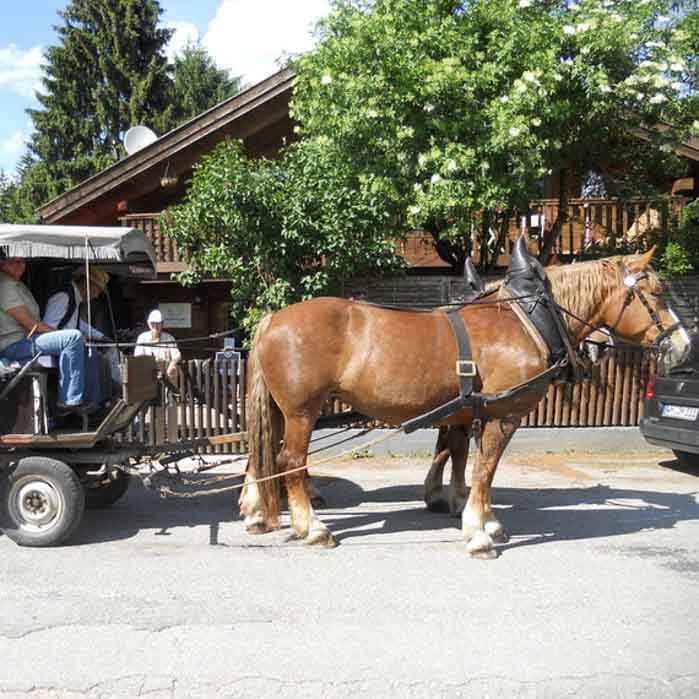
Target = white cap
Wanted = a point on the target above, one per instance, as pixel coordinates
(155, 316)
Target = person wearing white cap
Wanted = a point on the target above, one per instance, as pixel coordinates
(165, 350)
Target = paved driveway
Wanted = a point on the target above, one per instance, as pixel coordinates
(596, 594)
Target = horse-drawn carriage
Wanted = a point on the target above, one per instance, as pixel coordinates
(474, 370)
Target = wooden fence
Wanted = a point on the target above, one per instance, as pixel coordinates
(213, 401)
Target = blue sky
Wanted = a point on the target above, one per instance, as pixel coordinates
(244, 36)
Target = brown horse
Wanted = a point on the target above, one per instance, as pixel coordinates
(394, 365)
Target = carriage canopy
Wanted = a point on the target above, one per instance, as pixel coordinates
(118, 250)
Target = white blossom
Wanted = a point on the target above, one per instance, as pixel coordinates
(605, 88)
(569, 29)
(647, 64)
(585, 50)
(557, 77)
(574, 6)
(514, 131)
(695, 126)
(436, 178)
(452, 166)
(666, 148)
(326, 79)
(536, 121)
(521, 87)
(677, 67)
(429, 108)
(615, 17)
(557, 144)
(677, 86)
(663, 18)
(530, 76)
(422, 159)
(414, 210)
(583, 27)
(658, 99)
(660, 81)
(504, 99)
(524, 4)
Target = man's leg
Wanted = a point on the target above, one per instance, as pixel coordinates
(69, 347)
(95, 377)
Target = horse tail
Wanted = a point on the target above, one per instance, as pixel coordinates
(264, 431)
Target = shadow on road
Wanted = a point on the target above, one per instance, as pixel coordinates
(530, 516)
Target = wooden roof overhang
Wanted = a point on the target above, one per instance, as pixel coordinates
(259, 116)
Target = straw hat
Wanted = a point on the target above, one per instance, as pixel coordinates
(97, 276)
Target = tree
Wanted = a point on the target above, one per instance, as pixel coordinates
(454, 111)
(108, 72)
(197, 85)
(282, 230)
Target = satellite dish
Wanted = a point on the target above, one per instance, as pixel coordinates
(138, 137)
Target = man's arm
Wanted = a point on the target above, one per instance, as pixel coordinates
(56, 308)
(22, 315)
(89, 331)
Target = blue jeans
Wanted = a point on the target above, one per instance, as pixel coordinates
(73, 363)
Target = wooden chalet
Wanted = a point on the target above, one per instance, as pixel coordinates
(137, 189)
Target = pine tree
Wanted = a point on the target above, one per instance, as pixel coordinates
(107, 73)
(198, 84)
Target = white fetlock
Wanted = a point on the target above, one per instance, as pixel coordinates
(480, 545)
(496, 532)
(255, 524)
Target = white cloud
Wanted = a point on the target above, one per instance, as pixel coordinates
(13, 146)
(185, 33)
(20, 71)
(248, 36)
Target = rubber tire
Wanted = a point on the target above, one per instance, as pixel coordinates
(687, 459)
(106, 495)
(63, 480)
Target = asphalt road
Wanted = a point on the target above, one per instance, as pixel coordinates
(596, 594)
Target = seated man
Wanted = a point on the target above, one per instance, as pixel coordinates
(23, 334)
(62, 308)
(63, 313)
(165, 351)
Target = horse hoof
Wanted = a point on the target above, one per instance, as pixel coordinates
(480, 545)
(485, 555)
(440, 506)
(496, 532)
(321, 537)
(257, 528)
(318, 502)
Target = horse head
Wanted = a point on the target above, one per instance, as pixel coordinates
(634, 307)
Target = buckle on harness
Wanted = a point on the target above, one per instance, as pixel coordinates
(465, 367)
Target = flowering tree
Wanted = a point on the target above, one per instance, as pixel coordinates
(452, 112)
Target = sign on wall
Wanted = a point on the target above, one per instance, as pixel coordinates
(176, 315)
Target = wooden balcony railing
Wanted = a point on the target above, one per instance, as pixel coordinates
(166, 253)
(589, 221)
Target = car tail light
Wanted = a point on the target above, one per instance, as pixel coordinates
(650, 388)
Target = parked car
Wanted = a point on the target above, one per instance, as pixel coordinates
(672, 398)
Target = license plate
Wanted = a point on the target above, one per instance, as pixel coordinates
(680, 412)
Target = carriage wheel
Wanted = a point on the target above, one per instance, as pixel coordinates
(41, 502)
(105, 494)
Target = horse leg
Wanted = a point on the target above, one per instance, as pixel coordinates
(480, 526)
(250, 505)
(314, 495)
(293, 456)
(433, 482)
(458, 448)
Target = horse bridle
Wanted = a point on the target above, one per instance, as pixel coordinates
(631, 280)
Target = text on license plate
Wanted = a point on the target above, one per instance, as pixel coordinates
(680, 412)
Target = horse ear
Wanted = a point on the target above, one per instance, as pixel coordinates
(643, 260)
(647, 257)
